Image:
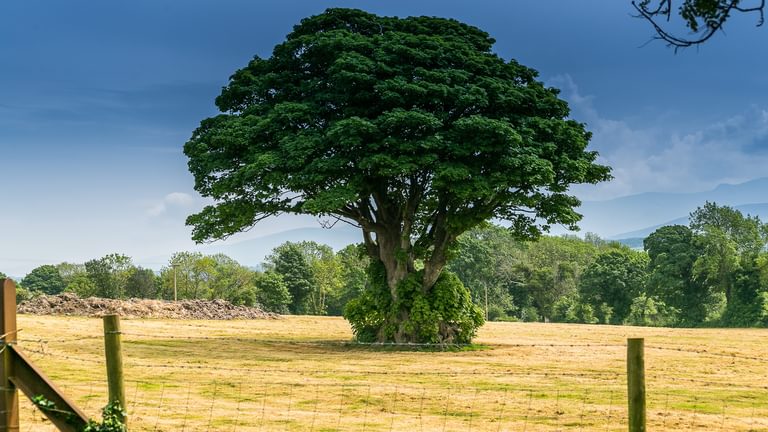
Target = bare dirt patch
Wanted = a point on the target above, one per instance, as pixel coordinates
(72, 305)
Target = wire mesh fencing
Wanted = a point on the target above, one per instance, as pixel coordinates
(183, 380)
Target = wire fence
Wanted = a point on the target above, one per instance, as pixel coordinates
(177, 382)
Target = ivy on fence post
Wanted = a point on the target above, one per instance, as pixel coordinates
(114, 356)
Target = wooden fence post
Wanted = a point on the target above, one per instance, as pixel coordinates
(17, 372)
(636, 384)
(114, 355)
(9, 397)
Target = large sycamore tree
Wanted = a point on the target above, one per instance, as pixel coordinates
(411, 129)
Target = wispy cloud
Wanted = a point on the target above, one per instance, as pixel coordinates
(172, 203)
(659, 156)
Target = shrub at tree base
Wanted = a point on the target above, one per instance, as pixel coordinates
(443, 315)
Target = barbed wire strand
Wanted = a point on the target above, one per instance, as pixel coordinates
(709, 383)
(708, 353)
(219, 338)
(476, 372)
(351, 343)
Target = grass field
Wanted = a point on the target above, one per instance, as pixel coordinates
(300, 374)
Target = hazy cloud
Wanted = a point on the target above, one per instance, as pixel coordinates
(172, 203)
(670, 157)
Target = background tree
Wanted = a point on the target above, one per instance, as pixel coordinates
(193, 272)
(208, 277)
(231, 281)
(702, 18)
(109, 275)
(353, 263)
(612, 281)
(82, 285)
(141, 283)
(326, 273)
(272, 293)
(411, 129)
(485, 261)
(746, 232)
(730, 243)
(748, 305)
(70, 271)
(651, 311)
(672, 252)
(550, 271)
(44, 279)
(288, 260)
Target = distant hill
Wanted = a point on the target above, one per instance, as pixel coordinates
(634, 215)
(636, 237)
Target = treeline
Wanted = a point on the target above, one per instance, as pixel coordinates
(297, 278)
(713, 272)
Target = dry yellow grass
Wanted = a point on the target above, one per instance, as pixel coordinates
(297, 374)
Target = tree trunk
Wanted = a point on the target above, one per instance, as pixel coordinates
(397, 260)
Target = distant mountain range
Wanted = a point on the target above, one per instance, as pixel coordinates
(627, 219)
(636, 216)
(759, 210)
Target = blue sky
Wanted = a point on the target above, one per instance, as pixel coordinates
(97, 99)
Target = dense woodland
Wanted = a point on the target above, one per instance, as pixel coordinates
(713, 272)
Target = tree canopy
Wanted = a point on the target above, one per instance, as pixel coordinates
(410, 128)
(45, 279)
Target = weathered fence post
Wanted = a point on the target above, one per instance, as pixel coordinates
(636, 384)
(114, 354)
(9, 397)
(18, 372)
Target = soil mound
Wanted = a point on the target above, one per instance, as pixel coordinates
(70, 304)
